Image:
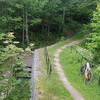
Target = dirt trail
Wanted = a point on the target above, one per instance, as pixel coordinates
(74, 93)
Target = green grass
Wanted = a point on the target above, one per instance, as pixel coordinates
(50, 86)
(71, 64)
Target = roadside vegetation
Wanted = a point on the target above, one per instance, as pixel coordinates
(13, 84)
(50, 86)
(71, 62)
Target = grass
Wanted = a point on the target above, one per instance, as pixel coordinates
(71, 64)
(50, 86)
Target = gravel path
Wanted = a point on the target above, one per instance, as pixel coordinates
(74, 93)
(35, 74)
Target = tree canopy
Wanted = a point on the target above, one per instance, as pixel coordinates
(37, 20)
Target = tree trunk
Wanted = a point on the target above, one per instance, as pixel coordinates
(43, 28)
(63, 21)
(60, 28)
(48, 30)
(27, 35)
(23, 35)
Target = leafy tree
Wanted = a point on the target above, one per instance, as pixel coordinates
(11, 64)
(93, 41)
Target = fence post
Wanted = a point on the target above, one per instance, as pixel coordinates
(48, 62)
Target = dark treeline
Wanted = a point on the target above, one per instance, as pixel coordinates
(42, 21)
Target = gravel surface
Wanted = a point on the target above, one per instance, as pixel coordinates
(35, 74)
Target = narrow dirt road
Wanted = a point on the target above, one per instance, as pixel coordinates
(74, 93)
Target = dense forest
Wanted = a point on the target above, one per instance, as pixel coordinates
(44, 20)
(26, 25)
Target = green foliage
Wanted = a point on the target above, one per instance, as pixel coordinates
(35, 21)
(93, 40)
(11, 64)
(21, 91)
(98, 71)
(44, 17)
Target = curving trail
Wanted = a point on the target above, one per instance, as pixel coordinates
(74, 93)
